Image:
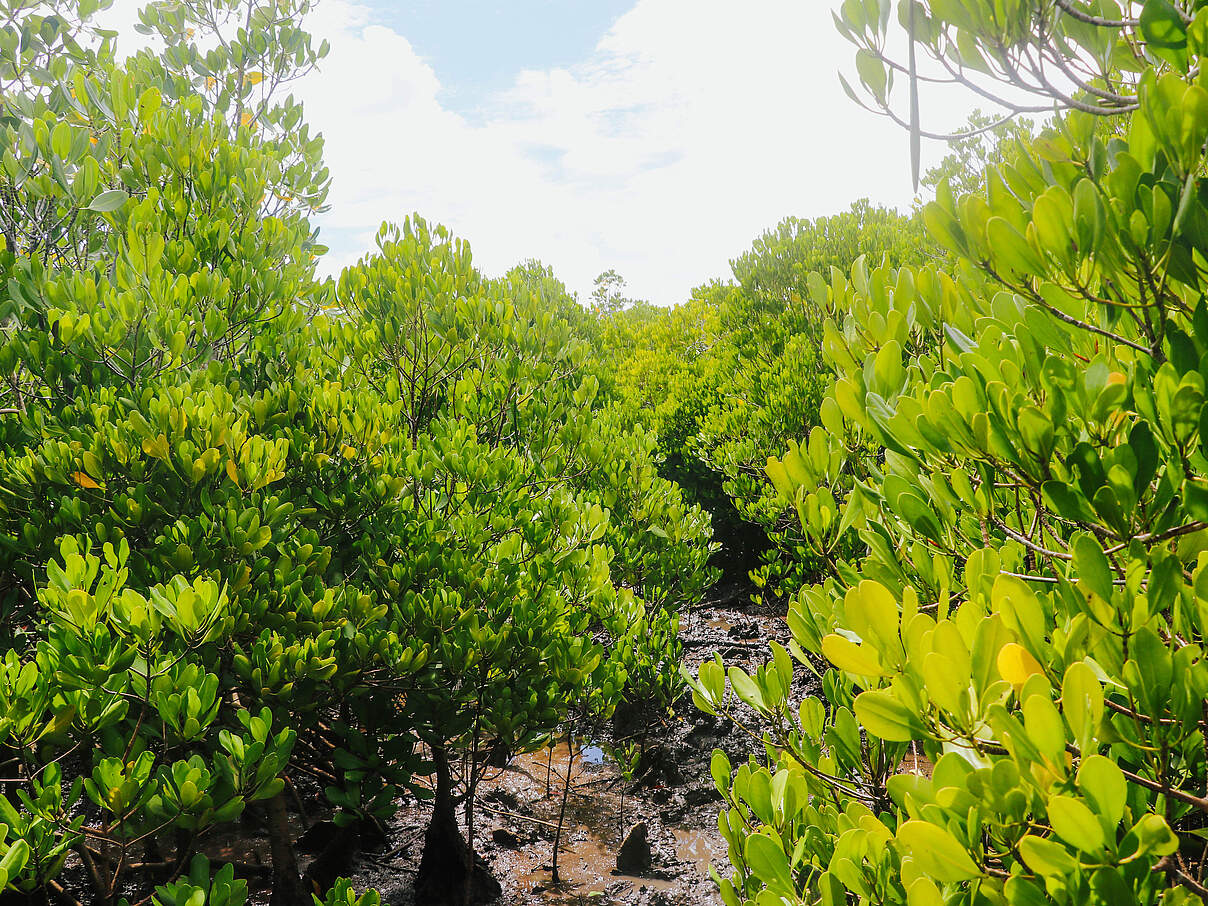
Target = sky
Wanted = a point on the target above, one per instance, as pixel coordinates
(658, 138)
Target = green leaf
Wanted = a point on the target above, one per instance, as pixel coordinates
(1009, 249)
(1154, 836)
(1195, 495)
(1052, 214)
(872, 73)
(1036, 428)
(1101, 780)
(713, 681)
(1022, 891)
(1109, 886)
(60, 141)
(882, 715)
(920, 517)
(899, 786)
(923, 892)
(1045, 728)
(872, 612)
(946, 686)
(1092, 567)
(1045, 857)
(108, 201)
(936, 852)
(832, 891)
(779, 476)
(746, 689)
(1155, 668)
(1162, 26)
(847, 89)
(850, 657)
(719, 769)
(1089, 216)
(1076, 824)
(1082, 703)
(766, 858)
(148, 103)
(887, 366)
(1060, 497)
(16, 857)
(945, 229)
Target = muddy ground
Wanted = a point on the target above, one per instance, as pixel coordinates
(673, 795)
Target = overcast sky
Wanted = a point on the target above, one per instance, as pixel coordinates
(656, 137)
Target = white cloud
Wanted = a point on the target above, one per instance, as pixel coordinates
(694, 125)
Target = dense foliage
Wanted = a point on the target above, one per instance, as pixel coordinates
(264, 535)
(735, 374)
(260, 533)
(1012, 665)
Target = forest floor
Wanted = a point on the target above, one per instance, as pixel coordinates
(672, 794)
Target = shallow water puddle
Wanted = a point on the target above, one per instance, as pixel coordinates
(586, 867)
(545, 770)
(592, 755)
(695, 847)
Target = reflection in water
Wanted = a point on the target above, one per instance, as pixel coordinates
(592, 755)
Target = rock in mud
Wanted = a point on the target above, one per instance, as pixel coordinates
(317, 837)
(635, 856)
(505, 838)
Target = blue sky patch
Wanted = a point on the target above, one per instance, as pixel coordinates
(478, 48)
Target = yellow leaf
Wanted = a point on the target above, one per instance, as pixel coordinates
(246, 120)
(1016, 664)
(231, 471)
(347, 451)
(157, 447)
(211, 82)
(84, 480)
(254, 78)
(847, 655)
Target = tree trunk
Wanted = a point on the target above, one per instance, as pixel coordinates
(444, 867)
(288, 889)
(449, 875)
(468, 882)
